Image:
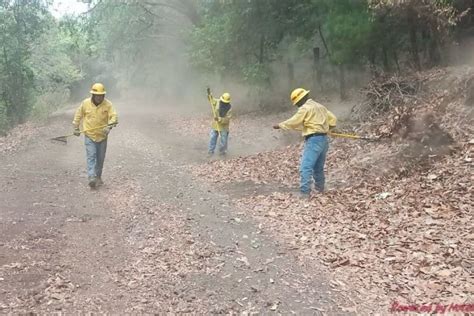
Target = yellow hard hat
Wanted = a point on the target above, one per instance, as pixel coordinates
(298, 94)
(98, 88)
(225, 97)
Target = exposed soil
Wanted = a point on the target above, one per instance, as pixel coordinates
(175, 231)
(152, 239)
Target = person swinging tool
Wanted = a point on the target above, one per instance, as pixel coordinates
(222, 113)
(315, 121)
(98, 116)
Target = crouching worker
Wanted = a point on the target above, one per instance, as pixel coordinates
(221, 111)
(314, 120)
(98, 117)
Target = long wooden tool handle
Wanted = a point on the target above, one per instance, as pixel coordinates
(209, 97)
(345, 135)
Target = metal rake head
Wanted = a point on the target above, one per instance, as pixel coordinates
(60, 139)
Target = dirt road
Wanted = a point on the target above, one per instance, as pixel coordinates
(153, 239)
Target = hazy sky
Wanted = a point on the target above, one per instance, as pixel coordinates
(62, 7)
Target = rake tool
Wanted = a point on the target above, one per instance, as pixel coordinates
(352, 136)
(63, 139)
(214, 114)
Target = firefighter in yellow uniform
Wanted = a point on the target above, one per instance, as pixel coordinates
(98, 117)
(222, 112)
(314, 120)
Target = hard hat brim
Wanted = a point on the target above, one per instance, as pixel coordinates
(225, 101)
(301, 97)
(98, 93)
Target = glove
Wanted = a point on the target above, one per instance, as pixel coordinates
(77, 132)
(208, 91)
(107, 130)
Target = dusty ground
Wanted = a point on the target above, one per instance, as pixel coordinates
(154, 238)
(175, 231)
(395, 224)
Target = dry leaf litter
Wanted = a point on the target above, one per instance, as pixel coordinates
(396, 222)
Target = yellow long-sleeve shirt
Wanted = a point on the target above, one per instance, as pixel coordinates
(223, 122)
(311, 118)
(93, 116)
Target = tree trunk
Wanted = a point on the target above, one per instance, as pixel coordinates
(342, 82)
(434, 49)
(386, 63)
(324, 41)
(262, 49)
(395, 57)
(291, 75)
(317, 71)
(7, 94)
(414, 42)
(372, 54)
(425, 45)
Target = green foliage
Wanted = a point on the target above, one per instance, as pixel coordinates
(3, 119)
(150, 44)
(349, 26)
(244, 39)
(209, 46)
(20, 24)
(241, 38)
(256, 74)
(57, 71)
(48, 102)
(36, 64)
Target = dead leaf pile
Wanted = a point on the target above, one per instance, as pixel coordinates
(17, 137)
(192, 125)
(414, 135)
(392, 111)
(407, 239)
(278, 166)
(59, 290)
(165, 252)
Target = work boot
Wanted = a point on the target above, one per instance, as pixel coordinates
(319, 190)
(99, 181)
(304, 196)
(92, 182)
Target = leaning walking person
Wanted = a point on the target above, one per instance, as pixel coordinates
(315, 121)
(98, 117)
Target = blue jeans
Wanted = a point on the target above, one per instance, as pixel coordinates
(312, 163)
(224, 136)
(95, 156)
